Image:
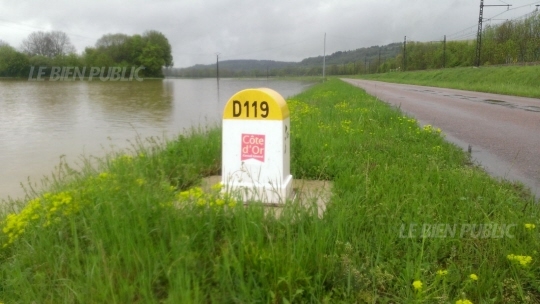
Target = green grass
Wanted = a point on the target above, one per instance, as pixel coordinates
(510, 80)
(128, 232)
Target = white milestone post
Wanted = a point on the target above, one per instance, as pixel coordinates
(256, 146)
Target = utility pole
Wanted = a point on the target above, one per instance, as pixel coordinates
(365, 65)
(479, 34)
(217, 66)
(405, 53)
(324, 59)
(444, 53)
(378, 69)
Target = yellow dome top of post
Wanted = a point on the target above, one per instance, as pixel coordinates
(256, 104)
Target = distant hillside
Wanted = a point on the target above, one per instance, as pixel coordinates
(347, 62)
(361, 55)
(253, 65)
(512, 42)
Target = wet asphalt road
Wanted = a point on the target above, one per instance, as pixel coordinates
(504, 131)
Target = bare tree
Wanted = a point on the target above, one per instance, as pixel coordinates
(61, 43)
(3, 43)
(37, 43)
(48, 44)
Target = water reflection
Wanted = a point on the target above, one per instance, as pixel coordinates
(40, 121)
(144, 107)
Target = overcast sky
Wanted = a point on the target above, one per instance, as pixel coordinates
(285, 30)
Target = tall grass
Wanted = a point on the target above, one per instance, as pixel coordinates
(130, 232)
(509, 80)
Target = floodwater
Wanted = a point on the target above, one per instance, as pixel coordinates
(42, 122)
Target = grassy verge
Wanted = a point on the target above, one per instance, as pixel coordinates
(511, 80)
(410, 221)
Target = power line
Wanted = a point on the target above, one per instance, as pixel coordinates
(463, 37)
(460, 35)
(42, 28)
(465, 29)
(513, 9)
(460, 32)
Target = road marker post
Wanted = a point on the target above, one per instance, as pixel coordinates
(256, 147)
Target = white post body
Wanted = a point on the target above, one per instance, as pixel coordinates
(256, 146)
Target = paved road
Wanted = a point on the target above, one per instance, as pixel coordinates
(504, 131)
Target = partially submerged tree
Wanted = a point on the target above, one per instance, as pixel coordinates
(158, 39)
(110, 40)
(151, 50)
(12, 63)
(48, 44)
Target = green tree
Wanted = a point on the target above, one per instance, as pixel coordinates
(164, 48)
(151, 50)
(135, 47)
(152, 60)
(13, 63)
(116, 46)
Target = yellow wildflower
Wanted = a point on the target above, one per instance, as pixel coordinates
(417, 285)
(442, 272)
(523, 260)
(473, 277)
(217, 187)
(127, 158)
(15, 224)
(197, 192)
(191, 193)
(184, 194)
(463, 302)
(530, 226)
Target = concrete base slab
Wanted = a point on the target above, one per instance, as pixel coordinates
(306, 193)
(278, 192)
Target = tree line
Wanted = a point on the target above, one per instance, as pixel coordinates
(54, 49)
(511, 42)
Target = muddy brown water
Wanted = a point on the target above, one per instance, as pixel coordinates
(41, 122)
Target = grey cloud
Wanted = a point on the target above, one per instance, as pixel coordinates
(288, 30)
